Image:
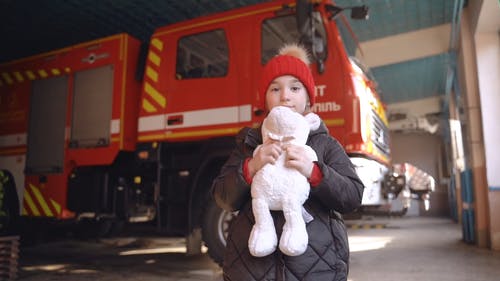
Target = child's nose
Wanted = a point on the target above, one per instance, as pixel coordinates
(285, 94)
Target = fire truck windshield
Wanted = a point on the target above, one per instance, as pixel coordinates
(280, 30)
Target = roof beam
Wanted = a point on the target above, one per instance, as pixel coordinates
(407, 46)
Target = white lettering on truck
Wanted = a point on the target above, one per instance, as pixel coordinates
(320, 90)
(330, 106)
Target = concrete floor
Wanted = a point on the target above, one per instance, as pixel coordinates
(409, 248)
(416, 248)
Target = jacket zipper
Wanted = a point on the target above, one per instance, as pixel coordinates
(280, 268)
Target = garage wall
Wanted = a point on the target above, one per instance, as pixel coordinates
(426, 152)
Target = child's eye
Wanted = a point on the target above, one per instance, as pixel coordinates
(274, 89)
(295, 88)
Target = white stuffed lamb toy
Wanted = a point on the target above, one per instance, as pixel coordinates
(276, 187)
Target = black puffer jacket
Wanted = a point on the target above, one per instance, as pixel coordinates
(327, 255)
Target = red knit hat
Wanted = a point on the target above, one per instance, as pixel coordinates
(291, 60)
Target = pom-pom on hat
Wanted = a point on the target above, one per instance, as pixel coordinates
(291, 60)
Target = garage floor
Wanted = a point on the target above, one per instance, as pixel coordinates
(419, 248)
(409, 248)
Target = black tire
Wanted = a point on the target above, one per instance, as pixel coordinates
(9, 205)
(215, 225)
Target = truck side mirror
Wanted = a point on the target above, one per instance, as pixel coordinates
(303, 11)
(309, 35)
(359, 13)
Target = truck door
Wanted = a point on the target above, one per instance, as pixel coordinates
(200, 90)
(46, 129)
(92, 104)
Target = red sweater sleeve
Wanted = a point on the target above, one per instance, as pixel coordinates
(246, 173)
(316, 176)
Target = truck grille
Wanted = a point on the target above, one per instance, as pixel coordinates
(380, 134)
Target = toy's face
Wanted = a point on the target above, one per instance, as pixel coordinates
(284, 125)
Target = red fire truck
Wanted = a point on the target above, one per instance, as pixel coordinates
(90, 134)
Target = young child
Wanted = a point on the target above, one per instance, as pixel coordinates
(335, 188)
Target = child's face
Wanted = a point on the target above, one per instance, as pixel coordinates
(287, 91)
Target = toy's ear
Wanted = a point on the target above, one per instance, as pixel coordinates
(265, 129)
(313, 120)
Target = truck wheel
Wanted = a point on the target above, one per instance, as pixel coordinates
(9, 204)
(215, 227)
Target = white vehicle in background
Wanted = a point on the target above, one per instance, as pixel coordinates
(404, 182)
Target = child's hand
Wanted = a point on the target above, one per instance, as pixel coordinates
(266, 153)
(297, 158)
